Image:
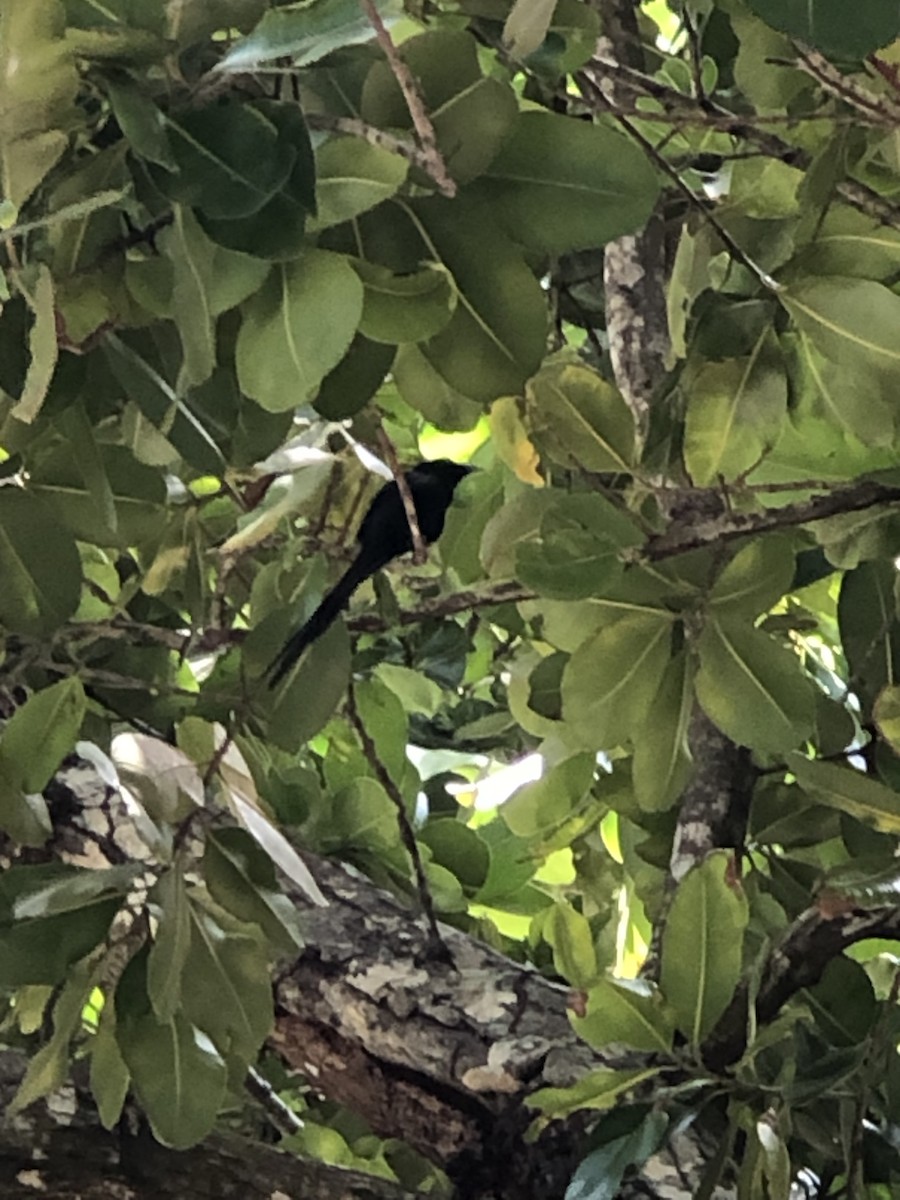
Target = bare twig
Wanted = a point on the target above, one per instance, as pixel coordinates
(374, 136)
(436, 167)
(436, 942)
(282, 1117)
(420, 554)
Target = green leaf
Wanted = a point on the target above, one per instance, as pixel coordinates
(276, 230)
(870, 631)
(627, 1012)
(206, 281)
(426, 391)
(297, 328)
(569, 933)
(241, 877)
(177, 1074)
(527, 25)
(415, 691)
(349, 386)
(40, 949)
(578, 553)
(38, 86)
(702, 945)
(853, 322)
(824, 23)
(353, 176)
(404, 308)
(311, 692)
(832, 392)
(40, 571)
(229, 160)
(169, 413)
(541, 806)
(849, 790)
(457, 848)
(661, 765)
(580, 418)
(559, 185)
(81, 487)
(230, 995)
(596, 1090)
(756, 578)
(735, 412)
(141, 121)
(171, 942)
(496, 336)
(48, 1068)
(599, 1175)
(43, 349)
(472, 115)
(612, 678)
(364, 817)
(41, 733)
(752, 688)
(303, 33)
(109, 1077)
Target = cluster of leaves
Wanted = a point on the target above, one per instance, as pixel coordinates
(213, 281)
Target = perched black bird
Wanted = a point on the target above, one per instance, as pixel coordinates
(383, 535)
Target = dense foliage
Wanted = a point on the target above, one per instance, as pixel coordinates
(244, 250)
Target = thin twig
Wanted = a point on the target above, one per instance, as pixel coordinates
(436, 167)
(436, 942)
(280, 1114)
(371, 134)
(420, 554)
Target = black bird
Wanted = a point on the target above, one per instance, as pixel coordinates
(383, 535)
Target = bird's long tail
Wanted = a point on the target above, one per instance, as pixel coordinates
(335, 600)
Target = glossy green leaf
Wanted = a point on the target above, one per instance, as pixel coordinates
(579, 550)
(702, 945)
(613, 677)
(80, 489)
(41, 733)
(349, 386)
(870, 631)
(626, 1012)
(600, 1174)
(40, 949)
(853, 322)
(109, 1077)
(538, 807)
(849, 790)
(756, 578)
(569, 933)
(38, 85)
(242, 879)
(177, 1074)
(560, 185)
(303, 33)
(496, 336)
(735, 412)
(459, 849)
(429, 393)
(597, 1090)
(661, 766)
(752, 688)
(297, 328)
(136, 369)
(824, 23)
(472, 115)
(228, 160)
(40, 571)
(404, 308)
(171, 943)
(230, 995)
(580, 418)
(42, 348)
(527, 26)
(353, 176)
(48, 1068)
